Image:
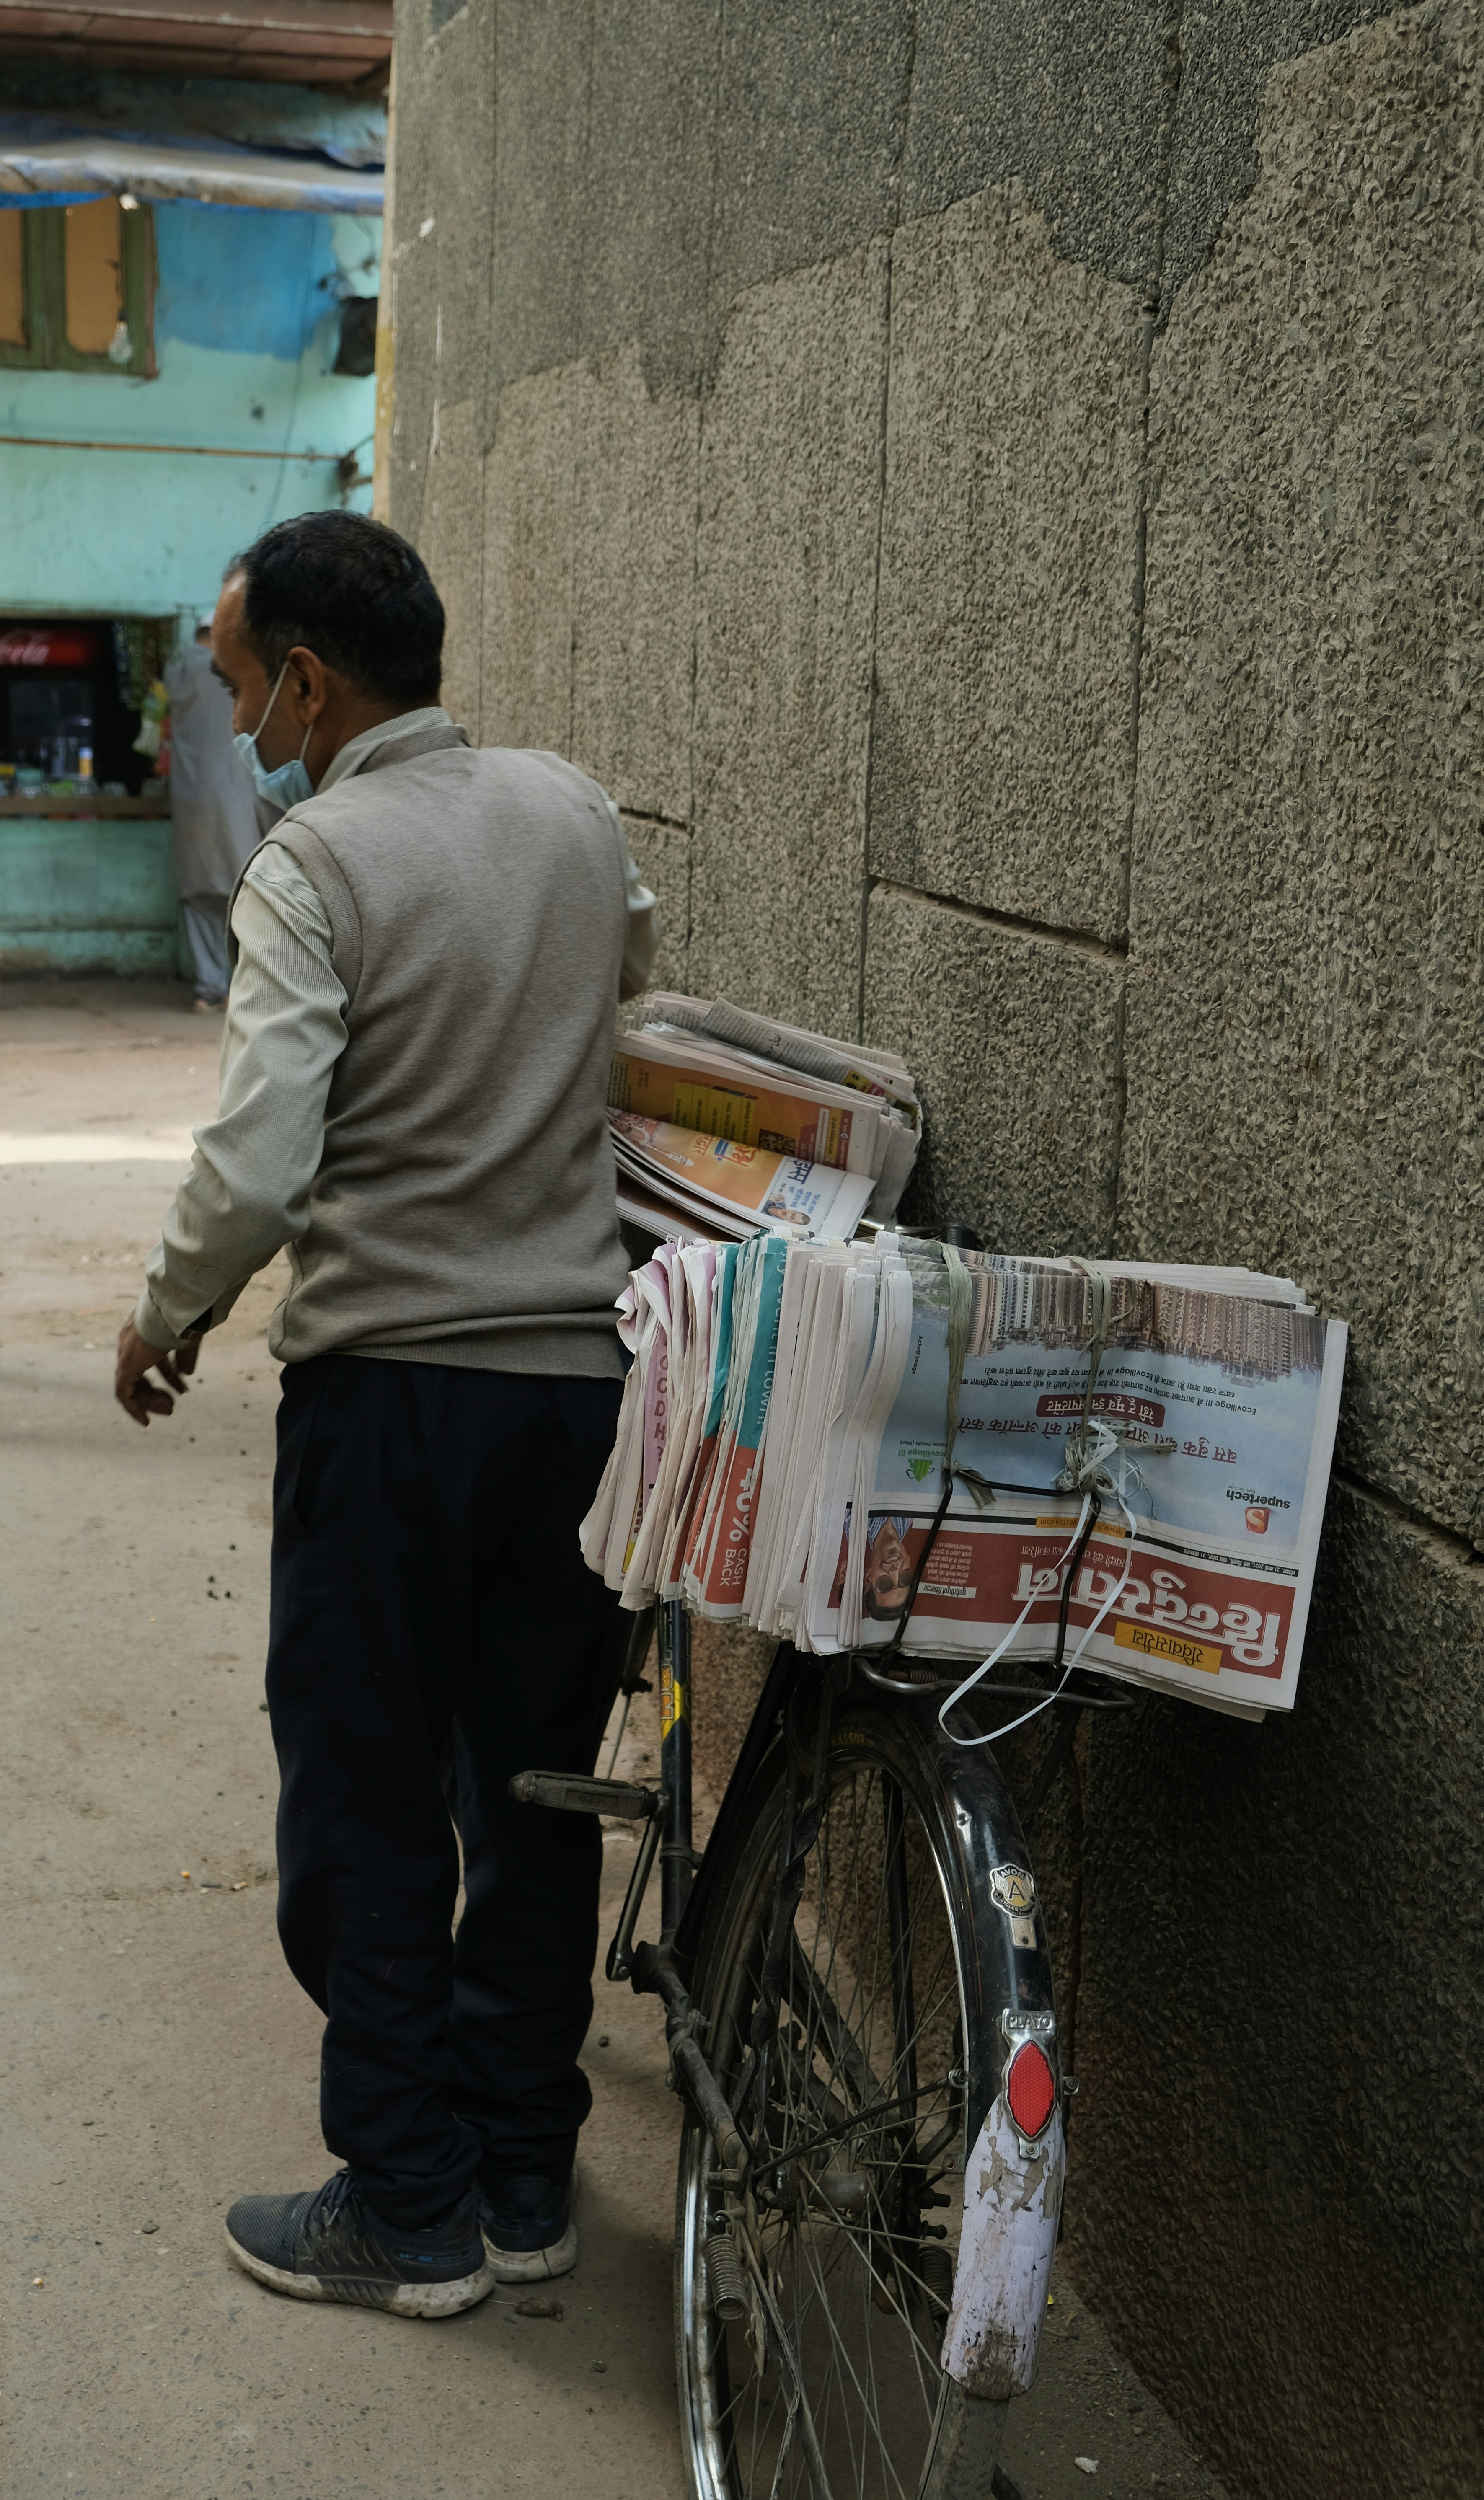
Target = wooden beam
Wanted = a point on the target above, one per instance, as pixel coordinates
(323, 41)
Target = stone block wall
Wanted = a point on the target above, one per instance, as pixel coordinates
(994, 490)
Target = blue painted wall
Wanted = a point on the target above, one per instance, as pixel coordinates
(246, 332)
(88, 896)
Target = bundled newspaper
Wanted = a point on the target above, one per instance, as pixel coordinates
(739, 1126)
(895, 1446)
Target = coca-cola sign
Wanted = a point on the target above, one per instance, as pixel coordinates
(48, 646)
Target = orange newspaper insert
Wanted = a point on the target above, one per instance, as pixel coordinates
(765, 1114)
(1168, 1645)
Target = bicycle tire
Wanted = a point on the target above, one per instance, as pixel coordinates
(864, 2294)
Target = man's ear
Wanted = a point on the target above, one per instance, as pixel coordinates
(309, 678)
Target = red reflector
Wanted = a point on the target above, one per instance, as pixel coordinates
(1030, 2088)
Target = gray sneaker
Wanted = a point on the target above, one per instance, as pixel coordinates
(326, 2244)
(528, 2227)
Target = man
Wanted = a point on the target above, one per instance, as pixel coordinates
(214, 820)
(430, 947)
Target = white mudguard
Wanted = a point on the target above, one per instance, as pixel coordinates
(1012, 2203)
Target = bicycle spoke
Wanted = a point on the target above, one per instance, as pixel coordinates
(825, 2016)
(783, 2446)
(843, 2355)
(863, 2111)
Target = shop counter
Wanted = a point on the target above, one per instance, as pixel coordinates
(87, 885)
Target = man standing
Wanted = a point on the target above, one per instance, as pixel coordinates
(214, 819)
(429, 947)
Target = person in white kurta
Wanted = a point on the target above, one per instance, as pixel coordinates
(213, 807)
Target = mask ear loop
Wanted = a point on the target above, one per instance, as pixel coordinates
(271, 700)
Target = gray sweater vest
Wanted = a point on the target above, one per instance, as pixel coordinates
(463, 1211)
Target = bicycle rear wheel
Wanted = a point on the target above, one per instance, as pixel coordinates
(815, 2360)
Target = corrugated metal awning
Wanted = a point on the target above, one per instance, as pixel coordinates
(120, 104)
(244, 178)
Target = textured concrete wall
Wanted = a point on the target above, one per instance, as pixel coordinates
(1003, 739)
(996, 495)
(1310, 888)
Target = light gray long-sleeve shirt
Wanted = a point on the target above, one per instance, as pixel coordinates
(249, 1189)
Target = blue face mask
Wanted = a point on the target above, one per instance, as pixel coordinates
(290, 783)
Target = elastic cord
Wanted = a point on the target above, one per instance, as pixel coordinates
(1072, 1558)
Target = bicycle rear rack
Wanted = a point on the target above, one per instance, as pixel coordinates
(666, 1814)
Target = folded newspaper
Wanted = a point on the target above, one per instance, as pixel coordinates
(898, 1445)
(740, 1126)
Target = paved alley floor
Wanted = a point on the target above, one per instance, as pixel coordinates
(155, 2058)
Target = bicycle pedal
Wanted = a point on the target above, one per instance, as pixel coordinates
(570, 1794)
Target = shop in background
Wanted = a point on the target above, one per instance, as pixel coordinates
(86, 876)
(75, 697)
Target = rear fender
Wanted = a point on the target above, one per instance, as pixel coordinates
(1012, 2190)
(1012, 2202)
(1013, 2187)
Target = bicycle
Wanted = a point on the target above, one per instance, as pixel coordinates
(861, 2019)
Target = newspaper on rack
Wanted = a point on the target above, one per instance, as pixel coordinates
(741, 1126)
(894, 1445)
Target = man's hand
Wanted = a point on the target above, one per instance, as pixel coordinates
(138, 1396)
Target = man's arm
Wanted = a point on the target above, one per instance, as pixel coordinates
(247, 1189)
(642, 940)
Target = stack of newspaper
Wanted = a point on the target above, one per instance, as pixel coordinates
(740, 1126)
(895, 1446)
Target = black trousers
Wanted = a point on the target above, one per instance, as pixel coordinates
(434, 1631)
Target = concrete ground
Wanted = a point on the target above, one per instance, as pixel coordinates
(157, 2059)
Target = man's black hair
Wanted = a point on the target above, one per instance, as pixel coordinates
(353, 592)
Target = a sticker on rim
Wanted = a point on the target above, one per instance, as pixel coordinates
(1012, 1890)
